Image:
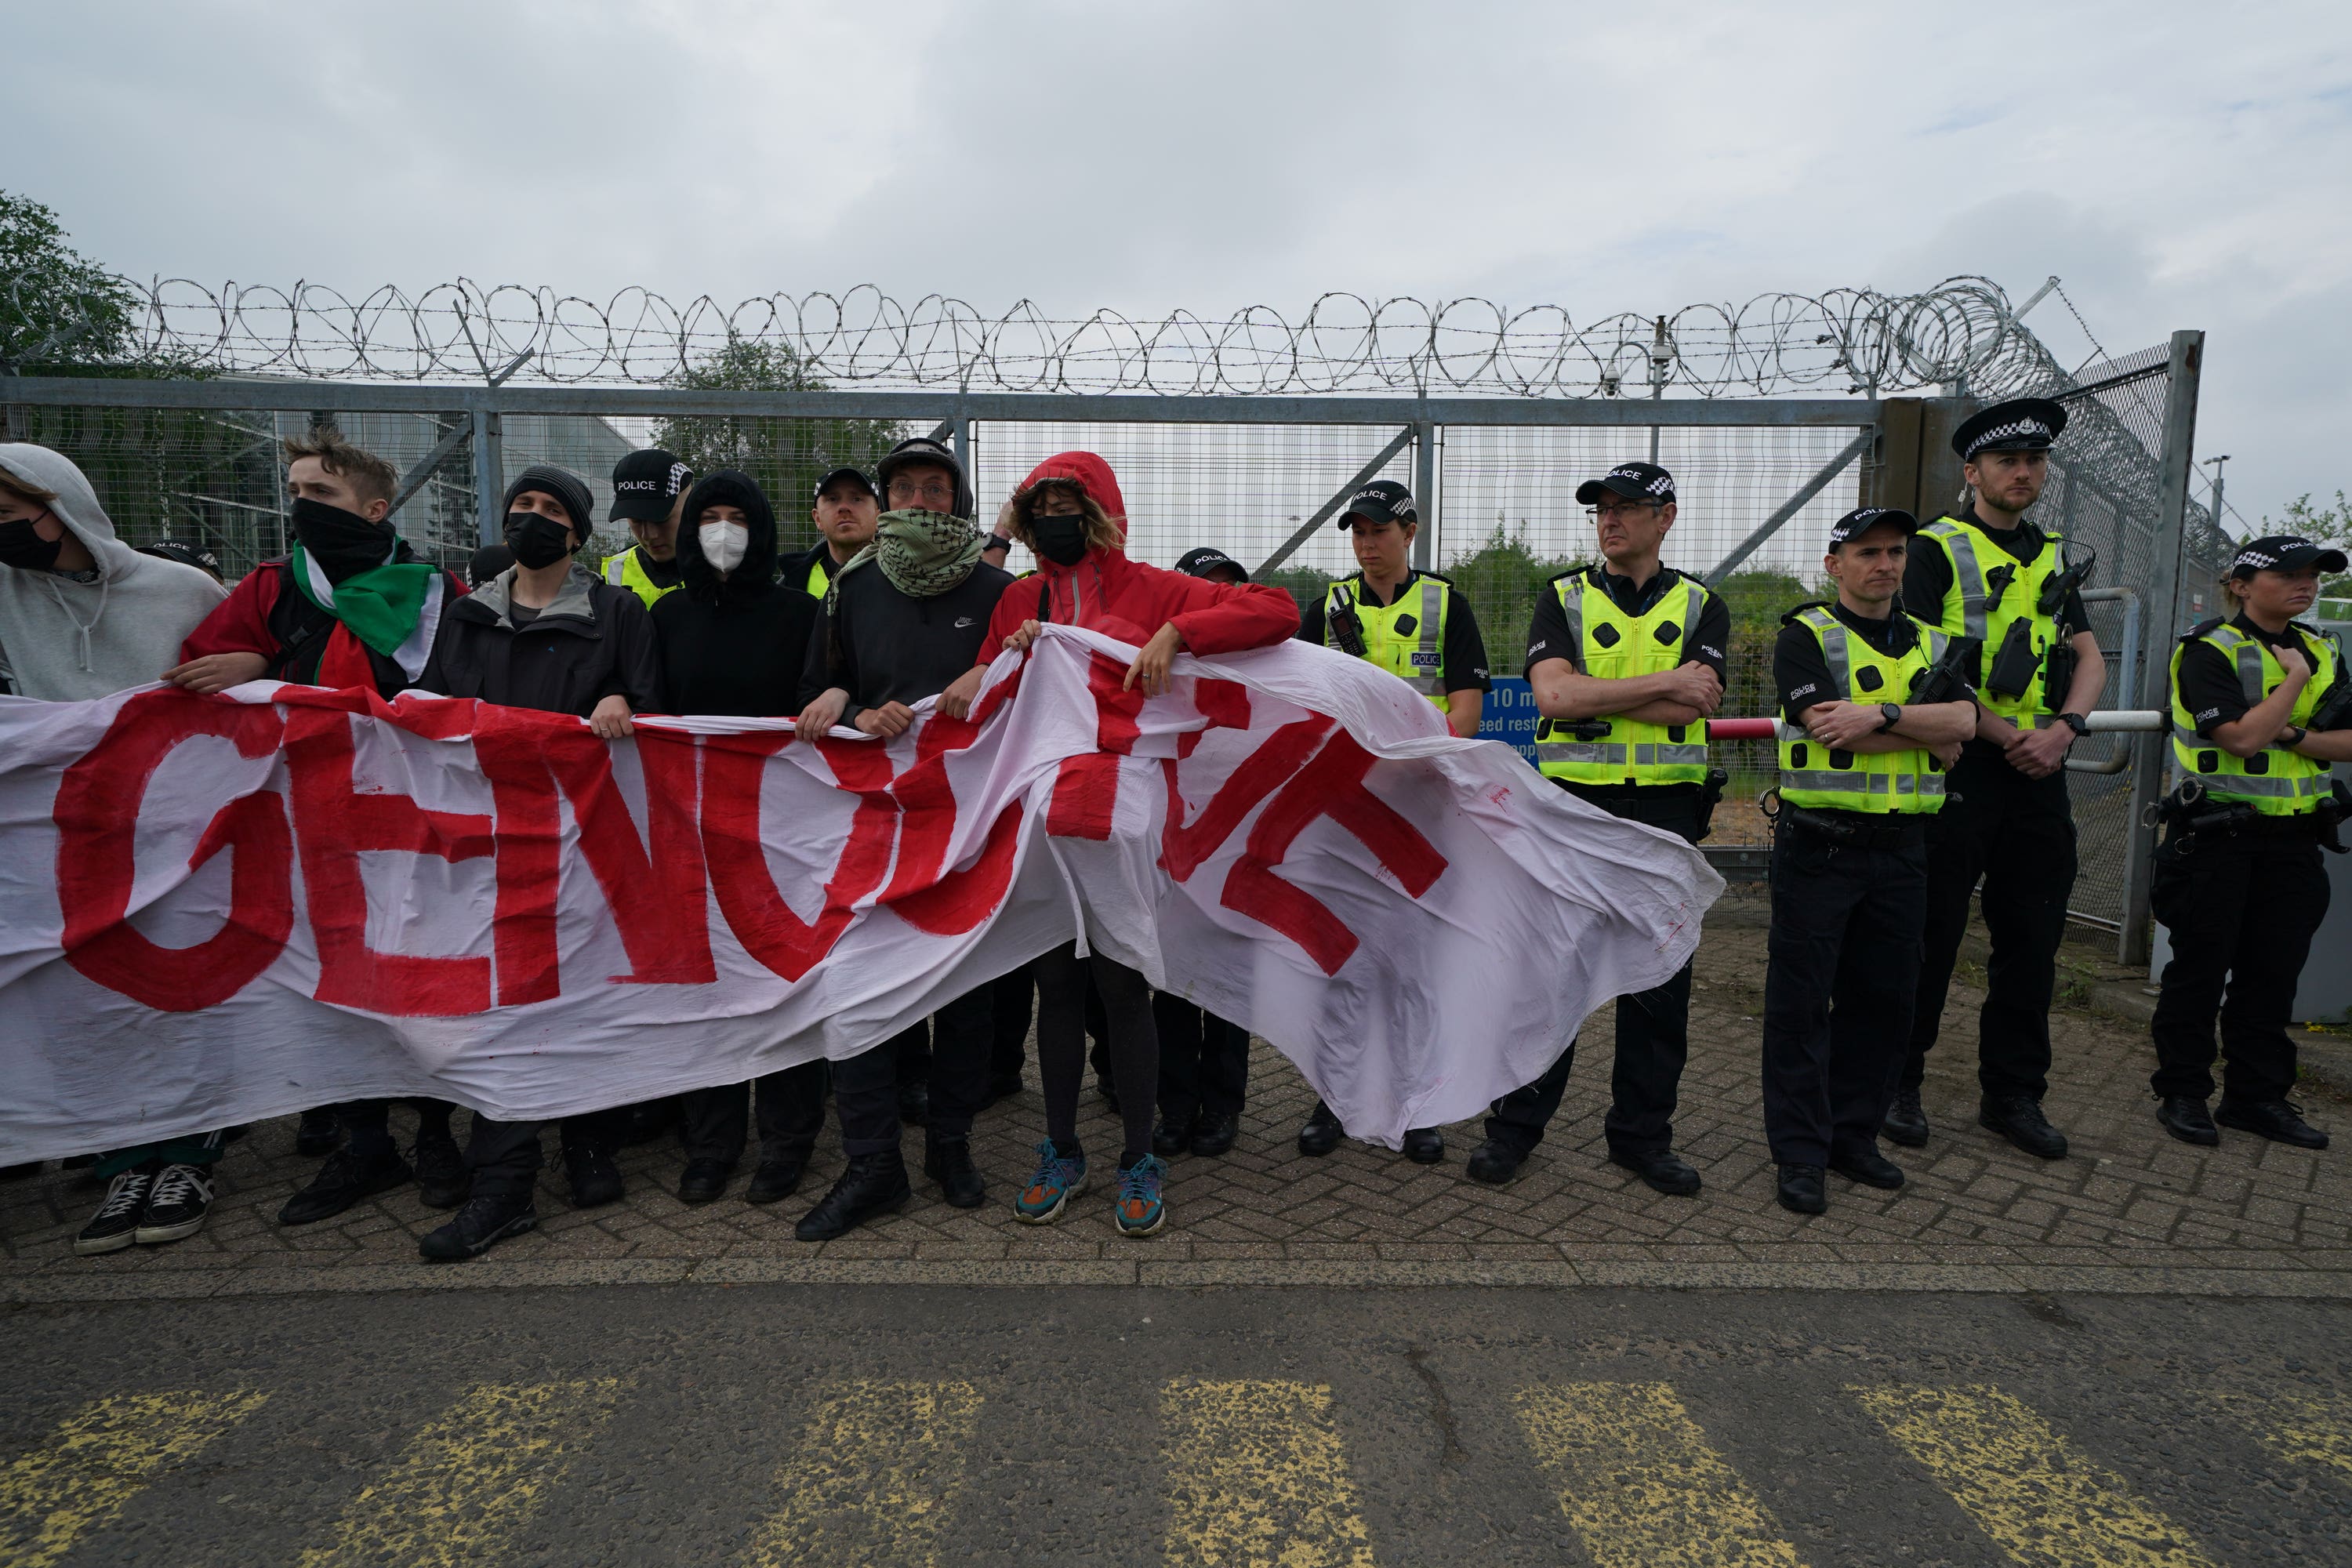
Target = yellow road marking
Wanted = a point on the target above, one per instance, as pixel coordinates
(875, 1477)
(472, 1477)
(1258, 1477)
(1642, 1484)
(98, 1459)
(2044, 1502)
(2300, 1428)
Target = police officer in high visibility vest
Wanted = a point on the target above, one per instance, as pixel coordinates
(1870, 722)
(1987, 574)
(647, 487)
(2261, 708)
(1418, 627)
(847, 510)
(1626, 658)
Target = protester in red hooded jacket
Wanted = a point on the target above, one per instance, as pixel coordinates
(1070, 512)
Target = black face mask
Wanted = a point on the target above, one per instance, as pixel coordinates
(343, 543)
(537, 541)
(1061, 540)
(27, 550)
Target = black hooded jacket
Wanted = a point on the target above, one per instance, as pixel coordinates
(733, 645)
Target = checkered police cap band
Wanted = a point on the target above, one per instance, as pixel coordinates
(2028, 428)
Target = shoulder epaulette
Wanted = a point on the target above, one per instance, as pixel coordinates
(2201, 628)
(1792, 618)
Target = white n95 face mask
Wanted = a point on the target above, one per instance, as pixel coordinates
(723, 544)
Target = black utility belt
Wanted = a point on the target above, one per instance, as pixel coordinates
(2245, 822)
(1856, 829)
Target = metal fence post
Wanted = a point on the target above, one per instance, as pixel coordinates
(1424, 493)
(490, 471)
(2177, 466)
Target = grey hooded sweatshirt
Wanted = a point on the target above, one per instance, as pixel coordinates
(64, 640)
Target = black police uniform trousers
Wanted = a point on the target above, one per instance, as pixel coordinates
(866, 1086)
(1012, 999)
(369, 1123)
(1203, 1061)
(505, 1158)
(2241, 911)
(1652, 1026)
(1843, 963)
(716, 1123)
(2018, 834)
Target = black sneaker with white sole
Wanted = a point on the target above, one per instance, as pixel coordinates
(480, 1225)
(115, 1226)
(177, 1207)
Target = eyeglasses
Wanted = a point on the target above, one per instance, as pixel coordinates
(1620, 509)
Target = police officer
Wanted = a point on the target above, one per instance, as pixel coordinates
(1636, 651)
(1988, 574)
(1418, 626)
(846, 510)
(647, 487)
(1868, 729)
(2238, 881)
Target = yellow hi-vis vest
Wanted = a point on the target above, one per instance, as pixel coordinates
(2274, 781)
(1908, 782)
(626, 571)
(1614, 646)
(1972, 607)
(1406, 638)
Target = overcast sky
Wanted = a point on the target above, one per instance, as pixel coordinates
(2177, 164)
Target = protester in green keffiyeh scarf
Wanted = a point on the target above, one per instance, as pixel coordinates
(923, 553)
(381, 605)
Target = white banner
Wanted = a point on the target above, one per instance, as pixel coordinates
(216, 909)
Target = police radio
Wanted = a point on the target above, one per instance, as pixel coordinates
(1347, 626)
(2058, 669)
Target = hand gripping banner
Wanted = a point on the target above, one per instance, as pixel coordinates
(215, 910)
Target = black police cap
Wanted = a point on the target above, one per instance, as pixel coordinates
(1206, 560)
(1634, 481)
(2286, 552)
(2019, 425)
(645, 485)
(1862, 519)
(847, 472)
(1382, 501)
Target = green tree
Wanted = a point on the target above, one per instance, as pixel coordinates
(786, 455)
(59, 311)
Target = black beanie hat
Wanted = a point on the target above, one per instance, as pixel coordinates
(564, 486)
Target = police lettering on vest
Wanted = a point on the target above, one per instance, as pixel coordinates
(626, 571)
(2274, 781)
(1992, 591)
(1406, 638)
(1899, 782)
(1615, 645)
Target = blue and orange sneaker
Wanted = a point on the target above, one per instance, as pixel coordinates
(1059, 1179)
(1140, 1209)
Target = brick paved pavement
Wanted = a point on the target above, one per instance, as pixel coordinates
(2131, 1210)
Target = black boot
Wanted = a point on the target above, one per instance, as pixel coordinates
(778, 1177)
(442, 1179)
(1424, 1145)
(342, 1181)
(1172, 1136)
(595, 1178)
(704, 1182)
(1907, 1119)
(2272, 1118)
(2188, 1120)
(2019, 1118)
(872, 1186)
(1868, 1166)
(1322, 1133)
(1800, 1190)
(479, 1225)
(319, 1134)
(948, 1161)
(1495, 1162)
(1661, 1170)
(1214, 1132)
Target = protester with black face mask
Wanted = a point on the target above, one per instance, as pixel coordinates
(350, 605)
(83, 616)
(544, 634)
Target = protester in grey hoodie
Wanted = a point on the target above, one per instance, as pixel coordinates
(82, 614)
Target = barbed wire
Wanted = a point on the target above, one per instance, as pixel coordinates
(1847, 339)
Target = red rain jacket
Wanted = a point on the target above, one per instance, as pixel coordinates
(1130, 600)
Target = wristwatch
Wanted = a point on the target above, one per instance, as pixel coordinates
(2297, 731)
(1893, 716)
(2076, 722)
(997, 542)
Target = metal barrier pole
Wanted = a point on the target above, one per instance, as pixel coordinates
(2178, 467)
(490, 471)
(1424, 495)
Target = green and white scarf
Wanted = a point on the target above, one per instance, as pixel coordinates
(923, 553)
(394, 609)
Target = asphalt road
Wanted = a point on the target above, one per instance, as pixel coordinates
(760, 1424)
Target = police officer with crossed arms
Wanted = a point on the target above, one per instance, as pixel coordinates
(1873, 710)
(1626, 658)
(1420, 628)
(2261, 708)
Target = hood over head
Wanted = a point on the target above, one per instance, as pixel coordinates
(726, 487)
(75, 506)
(1093, 478)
